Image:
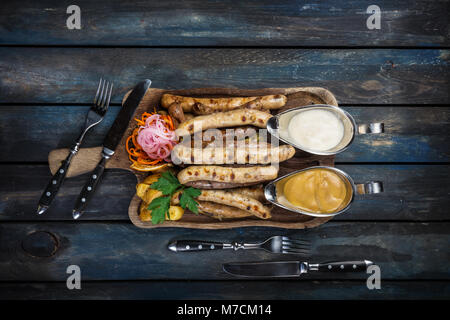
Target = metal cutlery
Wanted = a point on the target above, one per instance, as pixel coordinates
(94, 117)
(276, 244)
(292, 268)
(110, 143)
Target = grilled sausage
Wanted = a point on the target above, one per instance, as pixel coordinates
(222, 104)
(232, 199)
(228, 174)
(188, 116)
(256, 192)
(260, 103)
(221, 211)
(261, 153)
(218, 185)
(176, 112)
(234, 118)
(229, 136)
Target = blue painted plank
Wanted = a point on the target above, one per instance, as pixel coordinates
(228, 290)
(120, 251)
(226, 23)
(413, 134)
(363, 76)
(412, 193)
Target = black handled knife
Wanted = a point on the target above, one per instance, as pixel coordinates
(110, 143)
(291, 268)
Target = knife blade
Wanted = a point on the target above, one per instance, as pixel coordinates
(119, 126)
(112, 139)
(291, 268)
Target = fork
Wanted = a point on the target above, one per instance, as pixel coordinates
(276, 244)
(94, 117)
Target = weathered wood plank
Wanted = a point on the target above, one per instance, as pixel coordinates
(120, 251)
(412, 192)
(229, 290)
(47, 128)
(22, 186)
(226, 23)
(413, 134)
(363, 76)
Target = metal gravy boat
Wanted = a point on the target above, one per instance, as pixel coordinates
(272, 194)
(277, 126)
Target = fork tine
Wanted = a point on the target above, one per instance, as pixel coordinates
(105, 96)
(108, 98)
(289, 239)
(296, 248)
(290, 245)
(99, 101)
(98, 90)
(297, 242)
(296, 252)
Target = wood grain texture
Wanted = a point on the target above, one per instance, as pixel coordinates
(44, 93)
(229, 290)
(22, 187)
(413, 134)
(83, 162)
(282, 218)
(226, 23)
(412, 193)
(361, 76)
(87, 159)
(120, 251)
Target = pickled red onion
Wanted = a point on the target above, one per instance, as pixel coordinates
(156, 139)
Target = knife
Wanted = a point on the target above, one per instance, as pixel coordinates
(110, 143)
(292, 268)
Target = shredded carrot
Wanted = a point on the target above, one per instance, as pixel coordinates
(135, 153)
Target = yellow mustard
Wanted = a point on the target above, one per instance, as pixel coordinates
(316, 190)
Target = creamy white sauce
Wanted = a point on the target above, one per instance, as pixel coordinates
(316, 129)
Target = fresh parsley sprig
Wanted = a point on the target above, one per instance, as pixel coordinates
(168, 184)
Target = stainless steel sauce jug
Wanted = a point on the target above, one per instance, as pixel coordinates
(278, 125)
(272, 194)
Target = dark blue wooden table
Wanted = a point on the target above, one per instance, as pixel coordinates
(398, 74)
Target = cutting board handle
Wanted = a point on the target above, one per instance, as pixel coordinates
(84, 161)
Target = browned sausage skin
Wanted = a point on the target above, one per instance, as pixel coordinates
(234, 118)
(256, 192)
(261, 153)
(228, 174)
(222, 104)
(203, 184)
(176, 112)
(232, 199)
(260, 103)
(221, 211)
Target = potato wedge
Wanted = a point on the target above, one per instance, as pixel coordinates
(141, 189)
(152, 178)
(175, 213)
(151, 194)
(144, 213)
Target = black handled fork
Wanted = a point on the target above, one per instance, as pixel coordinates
(94, 117)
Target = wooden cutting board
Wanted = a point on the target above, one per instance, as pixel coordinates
(87, 158)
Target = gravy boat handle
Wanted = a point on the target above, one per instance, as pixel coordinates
(376, 127)
(369, 187)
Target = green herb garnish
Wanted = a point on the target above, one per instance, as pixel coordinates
(159, 207)
(187, 199)
(168, 184)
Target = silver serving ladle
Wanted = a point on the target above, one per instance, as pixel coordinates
(278, 125)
